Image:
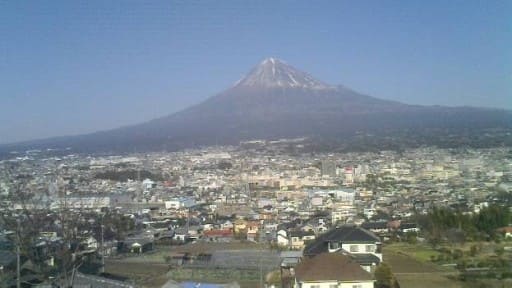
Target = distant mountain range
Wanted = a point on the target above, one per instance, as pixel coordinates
(276, 100)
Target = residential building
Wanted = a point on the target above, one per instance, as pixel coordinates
(363, 246)
(331, 270)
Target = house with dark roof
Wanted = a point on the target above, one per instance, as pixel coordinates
(331, 270)
(379, 228)
(362, 245)
(136, 244)
(290, 259)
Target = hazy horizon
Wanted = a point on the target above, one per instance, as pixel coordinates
(76, 68)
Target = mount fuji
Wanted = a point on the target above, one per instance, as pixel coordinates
(275, 100)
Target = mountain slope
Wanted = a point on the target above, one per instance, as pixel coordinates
(276, 100)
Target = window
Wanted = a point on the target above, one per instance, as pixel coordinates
(354, 248)
(357, 286)
(314, 286)
(334, 245)
(369, 248)
(333, 286)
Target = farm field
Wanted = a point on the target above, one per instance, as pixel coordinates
(222, 256)
(156, 275)
(142, 274)
(412, 266)
(411, 272)
(244, 263)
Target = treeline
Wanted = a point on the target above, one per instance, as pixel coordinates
(400, 140)
(446, 224)
(124, 175)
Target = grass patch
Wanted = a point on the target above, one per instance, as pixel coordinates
(412, 267)
(423, 280)
(246, 278)
(142, 274)
(419, 252)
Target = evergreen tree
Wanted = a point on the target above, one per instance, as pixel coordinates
(384, 277)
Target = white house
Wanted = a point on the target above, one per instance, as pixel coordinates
(147, 184)
(282, 238)
(362, 245)
(179, 203)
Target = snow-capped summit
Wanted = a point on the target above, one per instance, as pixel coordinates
(273, 72)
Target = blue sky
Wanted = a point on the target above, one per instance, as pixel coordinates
(72, 67)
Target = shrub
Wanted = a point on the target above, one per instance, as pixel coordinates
(457, 254)
(473, 250)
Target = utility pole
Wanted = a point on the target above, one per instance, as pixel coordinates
(188, 220)
(18, 244)
(101, 248)
(139, 192)
(261, 270)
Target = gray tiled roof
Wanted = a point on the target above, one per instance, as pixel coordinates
(365, 258)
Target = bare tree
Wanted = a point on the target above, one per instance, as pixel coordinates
(30, 216)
